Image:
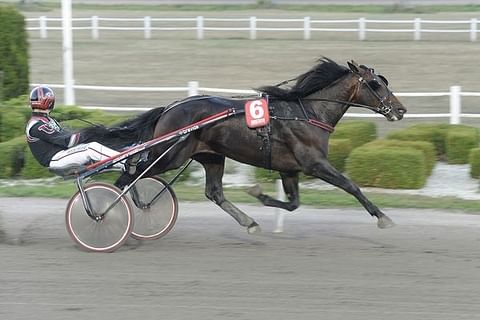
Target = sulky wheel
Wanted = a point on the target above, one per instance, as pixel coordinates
(105, 234)
(155, 208)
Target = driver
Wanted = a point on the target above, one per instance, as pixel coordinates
(56, 147)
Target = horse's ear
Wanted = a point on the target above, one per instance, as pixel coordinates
(353, 66)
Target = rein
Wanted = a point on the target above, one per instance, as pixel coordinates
(381, 108)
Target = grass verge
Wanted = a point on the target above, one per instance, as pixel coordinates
(310, 197)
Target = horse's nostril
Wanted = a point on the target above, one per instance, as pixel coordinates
(402, 111)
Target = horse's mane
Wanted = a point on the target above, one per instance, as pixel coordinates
(131, 131)
(319, 77)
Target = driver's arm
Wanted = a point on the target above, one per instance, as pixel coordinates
(45, 132)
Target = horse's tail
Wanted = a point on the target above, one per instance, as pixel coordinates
(131, 131)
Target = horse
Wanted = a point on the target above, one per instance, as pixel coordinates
(295, 140)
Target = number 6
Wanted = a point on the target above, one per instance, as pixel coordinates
(256, 109)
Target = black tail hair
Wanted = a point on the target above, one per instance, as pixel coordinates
(132, 131)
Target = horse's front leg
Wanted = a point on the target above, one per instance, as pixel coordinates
(290, 186)
(325, 171)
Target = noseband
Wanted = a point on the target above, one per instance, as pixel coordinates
(381, 107)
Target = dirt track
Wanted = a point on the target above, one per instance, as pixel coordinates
(328, 264)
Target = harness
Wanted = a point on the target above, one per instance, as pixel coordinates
(265, 132)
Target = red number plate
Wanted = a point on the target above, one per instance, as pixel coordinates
(256, 113)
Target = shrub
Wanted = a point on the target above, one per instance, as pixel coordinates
(474, 160)
(264, 175)
(430, 132)
(32, 169)
(460, 140)
(395, 168)
(359, 132)
(338, 151)
(12, 157)
(63, 113)
(427, 148)
(12, 124)
(14, 68)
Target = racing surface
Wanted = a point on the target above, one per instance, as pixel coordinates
(328, 264)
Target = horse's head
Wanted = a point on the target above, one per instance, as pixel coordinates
(372, 91)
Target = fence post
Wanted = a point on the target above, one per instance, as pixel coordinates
(280, 215)
(253, 28)
(417, 26)
(473, 29)
(362, 26)
(67, 44)
(95, 33)
(192, 88)
(199, 28)
(43, 27)
(455, 104)
(147, 27)
(306, 28)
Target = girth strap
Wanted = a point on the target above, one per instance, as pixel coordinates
(265, 133)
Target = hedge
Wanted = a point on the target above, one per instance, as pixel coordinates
(431, 132)
(14, 66)
(12, 124)
(427, 148)
(264, 175)
(338, 152)
(32, 169)
(459, 141)
(359, 132)
(12, 157)
(395, 168)
(474, 161)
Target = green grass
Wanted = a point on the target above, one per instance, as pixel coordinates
(309, 197)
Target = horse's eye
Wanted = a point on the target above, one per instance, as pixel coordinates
(374, 84)
(383, 79)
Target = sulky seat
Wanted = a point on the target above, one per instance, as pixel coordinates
(68, 171)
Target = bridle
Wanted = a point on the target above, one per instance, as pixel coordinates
(381, 108)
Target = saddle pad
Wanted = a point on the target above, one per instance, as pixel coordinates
(256, 113)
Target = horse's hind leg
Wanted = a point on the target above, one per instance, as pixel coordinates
(325, 171)
(214, 167)
(290, 186)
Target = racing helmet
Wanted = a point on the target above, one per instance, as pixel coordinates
(43, 98)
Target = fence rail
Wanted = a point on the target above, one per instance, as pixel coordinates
(305, 26)
(454, 115)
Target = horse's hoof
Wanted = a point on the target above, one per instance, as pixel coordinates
(255, 191)
(254, 228)
(385, 222)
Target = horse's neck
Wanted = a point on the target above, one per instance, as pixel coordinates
(331, 111)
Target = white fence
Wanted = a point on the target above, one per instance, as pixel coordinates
(454, 115)
(305, 26)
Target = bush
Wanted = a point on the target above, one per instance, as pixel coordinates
(32, 169)
(460, 140)
(474, 160)
(359, 132)
(12, 124)
(430, 132)
(64, 113)
(12, 157)
(395, 168)
(14, 68)
(427, 148)
(338, 151)
(264, 175)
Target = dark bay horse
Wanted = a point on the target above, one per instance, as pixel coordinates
(302, 117)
